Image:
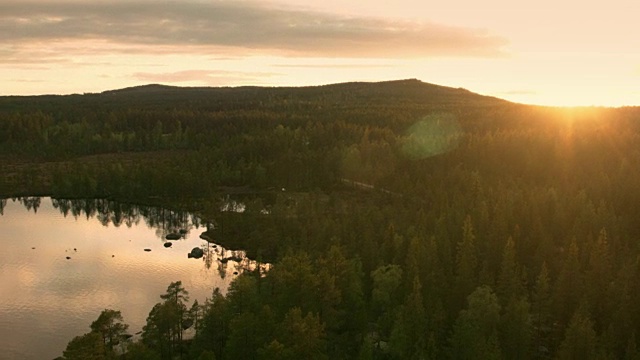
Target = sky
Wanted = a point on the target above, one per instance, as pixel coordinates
(560, 52)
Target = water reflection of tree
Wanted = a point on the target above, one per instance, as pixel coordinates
(210, 254)
(223, 257)
(30, 202)
(108, 212)
(163, 220)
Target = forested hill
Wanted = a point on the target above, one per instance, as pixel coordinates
(298, 137)
(247, 129)
(355, 94)
(411, 91)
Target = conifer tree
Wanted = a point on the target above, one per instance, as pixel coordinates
(541, 312)
(509, 280)
(466, 262)
(475, 332)
(580, 338)
(410, 330)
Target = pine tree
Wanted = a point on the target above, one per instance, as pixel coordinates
(475, 332)
(515, 329)
(384, 297)
(466, 262)
(86, 347)
(509, 280)
(599, 276)
(541, 312)
(580, 338)
(569, 287)
(408, 336)
(110, 327)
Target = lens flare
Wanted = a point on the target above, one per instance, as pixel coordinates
(433, 135)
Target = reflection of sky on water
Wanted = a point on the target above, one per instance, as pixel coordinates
(46, 300)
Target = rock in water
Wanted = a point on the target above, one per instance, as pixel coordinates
(173, 236)
(196, 252)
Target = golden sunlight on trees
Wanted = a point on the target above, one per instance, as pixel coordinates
(399, 219)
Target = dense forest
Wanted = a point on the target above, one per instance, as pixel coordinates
(403, 220)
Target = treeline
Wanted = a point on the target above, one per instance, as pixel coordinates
(415, 221)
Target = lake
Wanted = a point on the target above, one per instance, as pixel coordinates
(46, 298)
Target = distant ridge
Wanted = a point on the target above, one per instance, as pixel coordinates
(412, 89)
(406, 83)
(142, 89)
(383, 95)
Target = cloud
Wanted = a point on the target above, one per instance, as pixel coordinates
(241, 25)
(27, 81)
(34, 58)
(202, 76)
(333, 66)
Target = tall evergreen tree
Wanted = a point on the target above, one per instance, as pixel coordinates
(111, 328)
(475, 332)
(509, 280)
(466, 263)
(410, 330)
(541, 313)
(580, 341)
(569, 287)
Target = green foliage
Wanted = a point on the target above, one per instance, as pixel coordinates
(107, 331)
(302, 337)
(86, 347)
(163, 331)
(475, 332)
(466, 261)
(580, 339)
(214, 329)
(109, 325)
(410, 330)
(139, 351)
(516, 329)
(207, 355)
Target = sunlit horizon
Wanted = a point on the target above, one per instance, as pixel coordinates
(559, 99)
(78, 46)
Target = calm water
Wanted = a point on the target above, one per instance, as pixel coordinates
(46, 299)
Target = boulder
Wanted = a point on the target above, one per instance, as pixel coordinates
(196, 252)
(173, 236)
(168, 244)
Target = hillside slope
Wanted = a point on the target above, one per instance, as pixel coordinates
(389, 93)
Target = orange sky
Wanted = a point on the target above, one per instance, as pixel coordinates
(543, 52)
